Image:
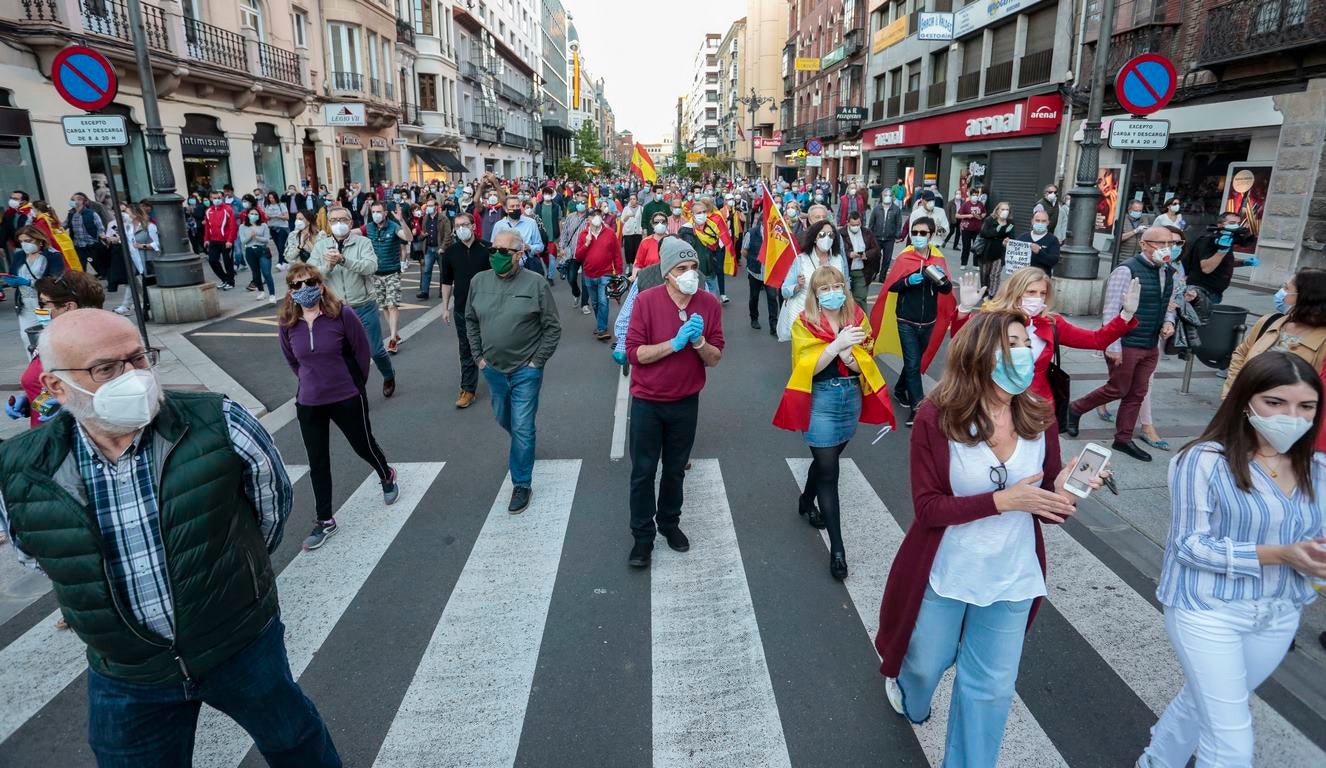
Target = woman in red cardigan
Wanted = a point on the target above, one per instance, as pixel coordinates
(1031, 292)
(985, 472)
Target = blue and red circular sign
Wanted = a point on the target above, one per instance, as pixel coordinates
(84, 78)
(1146, 83)
(814, 146)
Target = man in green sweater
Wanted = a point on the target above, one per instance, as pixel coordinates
(513, 329)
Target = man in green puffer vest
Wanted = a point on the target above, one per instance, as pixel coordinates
(154, 516)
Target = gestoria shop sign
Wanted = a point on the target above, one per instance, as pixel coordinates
(1025, 117)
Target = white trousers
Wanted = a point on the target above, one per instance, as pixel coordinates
(1225, 654)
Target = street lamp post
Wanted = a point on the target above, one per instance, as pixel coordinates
(752, 103)
(1081, 262)
(176, 267)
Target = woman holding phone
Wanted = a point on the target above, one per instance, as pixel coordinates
(835, 383)
(1247, 536)
(967, 579)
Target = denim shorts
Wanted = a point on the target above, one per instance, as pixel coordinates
(835, 407)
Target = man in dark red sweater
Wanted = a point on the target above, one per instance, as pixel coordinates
(600, 254)
(676, 331)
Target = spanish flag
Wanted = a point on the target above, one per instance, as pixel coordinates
(808, 344)
(642, 165)
(777, 252)
(591, 199)
(56, 236)
(884, 316)
(713, 233)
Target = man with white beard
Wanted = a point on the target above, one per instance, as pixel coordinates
(154, 515)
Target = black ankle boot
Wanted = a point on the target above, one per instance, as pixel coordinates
(838, 565)
(807, 509)
(1073, 419)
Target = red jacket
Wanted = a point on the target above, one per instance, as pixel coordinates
(1069, 336)
(220, 225)
(860, 208)
(601, 257)
(935, 509)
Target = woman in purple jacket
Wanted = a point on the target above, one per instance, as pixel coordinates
(328, 350)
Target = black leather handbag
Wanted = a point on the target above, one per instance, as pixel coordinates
(1061, 385)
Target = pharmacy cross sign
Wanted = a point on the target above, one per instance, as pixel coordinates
(84, 78)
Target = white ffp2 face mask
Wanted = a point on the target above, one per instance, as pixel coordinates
(689, 282)
(130, 400)
(1281, 431)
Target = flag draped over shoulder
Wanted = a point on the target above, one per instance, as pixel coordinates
(642, 165)
(714, 233)
(884, 316)
(777, 252)
(56, 235)
(808, 344)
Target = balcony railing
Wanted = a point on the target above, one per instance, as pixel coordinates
(110, 18)
(512, 95)
(411, 114)
(278, 64)
(877, 111)
(348, 81)
(404, 32)
(1034, 68)
(40, 10)
(999, 77)
(514, 140)
(893, 107)
(471, 71)
(1148, 39)
(374, 87)
(215, 45)
(911, 101)
(969, 86)
(935, 95)
(391, 90)
(1243, 28)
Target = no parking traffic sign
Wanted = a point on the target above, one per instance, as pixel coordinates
(1146, 83)
(84, 78)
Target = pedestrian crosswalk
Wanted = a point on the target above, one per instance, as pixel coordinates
(713, 695)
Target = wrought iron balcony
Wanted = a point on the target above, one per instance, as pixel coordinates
(374, 87)
(1242, 28)
(1034, 68)
(969, 86)
(40, 11)
(936, 94)
(911, 101)
(999, 77)
(404, 32)
(472, 71)
(348, 81)
(278, 64)
(110, 18)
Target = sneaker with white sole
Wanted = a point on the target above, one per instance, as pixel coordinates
(125, 311)
(894, 693)
(724, 298)
(321, 532)
(390, 490)
(585, 310)
(271, 299)
(259, 296)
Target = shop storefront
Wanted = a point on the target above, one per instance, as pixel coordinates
(206, 153)
(430, 164)
(1008, 148)
(18, 163)
(127, 164)
(353, 170)
(268, 159)
(379, 160)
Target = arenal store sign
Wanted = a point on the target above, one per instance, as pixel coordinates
(1026, 117)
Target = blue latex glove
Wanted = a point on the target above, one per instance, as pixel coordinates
(1224, 242)
(17, 407)
(14, 281)
(619, 357)
(683, 337)
(697, 326)
(915, 278)
(1251, 261)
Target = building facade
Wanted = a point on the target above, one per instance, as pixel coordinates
(1247, 123)
(501, 128)
(556, 100)
(237, 86)
(731, 86)
(766, 31)
(824, 63)
(702, 105)
(430, 124)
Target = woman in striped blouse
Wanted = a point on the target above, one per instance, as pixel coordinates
(1246, 538)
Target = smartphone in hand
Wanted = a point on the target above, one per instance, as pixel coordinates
(1090, 463)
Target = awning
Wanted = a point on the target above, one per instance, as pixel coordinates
(430, 159)
(450, 160)
(439, 159)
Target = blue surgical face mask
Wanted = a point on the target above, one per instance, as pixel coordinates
(580, 207)
(919, 242)
(832, 299)
(1014, 374)
(1281, 305)
(1039, 227)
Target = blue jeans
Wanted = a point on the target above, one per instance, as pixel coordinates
(515, 404)
(914, 339)
(137, 725)
(986, 643)
(711, 284)
(260, 263)
(426, 271)
(598, 298)
(368, 315)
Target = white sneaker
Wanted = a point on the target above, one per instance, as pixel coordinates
(724, 298)
(894, 693)
(259, 295)
(282, 266)
(123, 311)
(585, 310)
(271, 299)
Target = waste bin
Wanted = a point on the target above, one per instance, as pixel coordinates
(1221, 335)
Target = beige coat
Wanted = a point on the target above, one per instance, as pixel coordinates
(1312, 348)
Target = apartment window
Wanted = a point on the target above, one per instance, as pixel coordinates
(423, 17)
(344, 48)
(879, 87)
(939, 67)
(299, 25)
(895, 82)
(971, 56)
(428, 92)
(250, 17)
(373, 60)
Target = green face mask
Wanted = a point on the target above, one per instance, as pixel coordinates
(502, 260)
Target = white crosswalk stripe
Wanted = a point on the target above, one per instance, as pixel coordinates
(45, 660)
(711, 697)
(869, 529)
(466, 703)
(316, 588)
(713, 702)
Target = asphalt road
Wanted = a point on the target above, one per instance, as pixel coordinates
(443, 631)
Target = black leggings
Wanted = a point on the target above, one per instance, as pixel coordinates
(822, 487)
(351, 417)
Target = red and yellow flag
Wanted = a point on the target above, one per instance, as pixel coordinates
(777, 252)
(591, 199)
(642, 165)
(56, 236)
